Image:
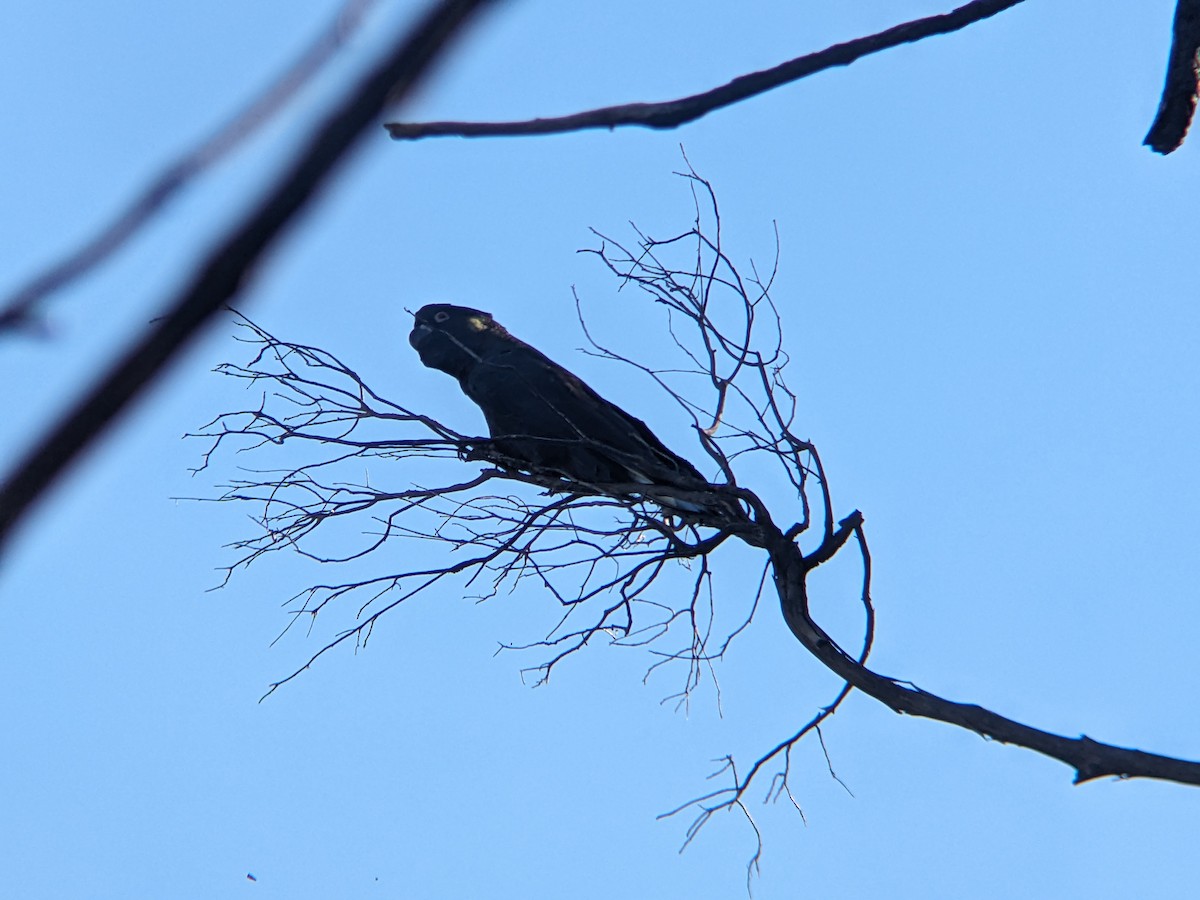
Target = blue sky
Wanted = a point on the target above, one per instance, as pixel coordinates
(988, 292)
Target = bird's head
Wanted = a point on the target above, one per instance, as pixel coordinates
(451, 338)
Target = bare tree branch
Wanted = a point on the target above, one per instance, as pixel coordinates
(18, 308)
(220, 276)
(617, 568)
(1178, 103)
(673, 113)
(1090, 759)
(601, 551)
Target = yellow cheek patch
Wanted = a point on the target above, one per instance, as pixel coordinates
(477, 323)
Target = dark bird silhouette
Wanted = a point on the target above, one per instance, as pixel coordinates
(544, 417)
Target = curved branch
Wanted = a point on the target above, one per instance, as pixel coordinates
(1090, 759)
(673, 113)
(733, 796)
(224, 270)
(603, 551)
(1178, 103)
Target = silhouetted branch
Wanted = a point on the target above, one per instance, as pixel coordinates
(581, 547)
(220, 276)
(733, 796)
(619, 569)
(600, 550)
(1178, 103)
(673, 113)
(18, 308)
(1090, 759)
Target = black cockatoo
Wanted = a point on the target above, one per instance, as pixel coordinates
(540, 414)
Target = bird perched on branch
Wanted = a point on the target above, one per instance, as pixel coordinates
(544, 417)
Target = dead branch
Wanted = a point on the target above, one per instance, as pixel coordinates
(1089, 758)
(18, 309)
(1178, 103)
(673, 113)
(587, 544)
(221, 275)
(615, 566)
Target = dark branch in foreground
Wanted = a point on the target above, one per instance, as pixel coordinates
(617, 569)
(18, 308)
(219, 277)
(673, 113)
(1178, 103)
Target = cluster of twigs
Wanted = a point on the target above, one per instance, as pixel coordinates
(602, 553)
(580, 546)
(606, 554)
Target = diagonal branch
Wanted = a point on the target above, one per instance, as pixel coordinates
(223, 272)
(602, 552)
(1090, 759)
(18, 309)
(1178, 103)
(673, 113)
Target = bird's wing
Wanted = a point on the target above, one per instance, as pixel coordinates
(529, 394)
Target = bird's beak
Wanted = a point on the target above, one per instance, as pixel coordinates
(418, 334)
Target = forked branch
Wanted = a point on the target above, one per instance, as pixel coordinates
(357, 472)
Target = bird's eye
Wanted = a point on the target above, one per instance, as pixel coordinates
(441, 317)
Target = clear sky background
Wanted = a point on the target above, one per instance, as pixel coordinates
(989, 293)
